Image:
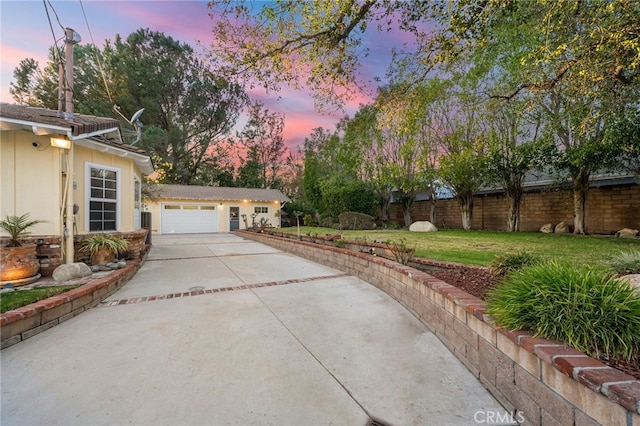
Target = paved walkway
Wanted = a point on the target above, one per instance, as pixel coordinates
(271, 339)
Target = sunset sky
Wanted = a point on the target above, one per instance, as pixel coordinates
(26, 33)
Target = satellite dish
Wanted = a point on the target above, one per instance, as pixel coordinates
(135, 120)
(137, 124)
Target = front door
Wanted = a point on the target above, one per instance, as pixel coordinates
(234, 218)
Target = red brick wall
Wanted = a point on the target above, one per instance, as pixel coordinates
(610, 209)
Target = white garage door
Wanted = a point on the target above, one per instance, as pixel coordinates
(189, 218)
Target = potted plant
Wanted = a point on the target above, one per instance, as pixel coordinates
(18, 261)
(103, 247)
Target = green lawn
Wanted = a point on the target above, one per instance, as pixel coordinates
(18, 298)
(480, 247)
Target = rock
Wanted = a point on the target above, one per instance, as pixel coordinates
(121, 263)
(95, 268)
(71, 271)
(547, 228)
(423, 226)
(627, 233)
(634, 280)
(561, 228)
(112, 265)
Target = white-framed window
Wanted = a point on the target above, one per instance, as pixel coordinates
(103, 193)
(261, 209)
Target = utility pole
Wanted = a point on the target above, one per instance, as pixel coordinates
(71, 38)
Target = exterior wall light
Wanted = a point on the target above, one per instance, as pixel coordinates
(61, 143)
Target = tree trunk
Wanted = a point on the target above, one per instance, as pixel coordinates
(433, 201)
(466, 205)
(580, 198)
(514, 197)
(385, 201)
(407, 201)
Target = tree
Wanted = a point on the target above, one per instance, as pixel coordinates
(363, 139)
(514, 148)
(262, 137)
(189, 112)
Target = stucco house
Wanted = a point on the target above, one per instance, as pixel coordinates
(185, 209)
(51, 163)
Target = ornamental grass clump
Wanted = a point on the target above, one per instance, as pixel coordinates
(627, 262)
(582, 306)
(504, 263)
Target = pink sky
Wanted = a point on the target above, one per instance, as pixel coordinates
(25, 33)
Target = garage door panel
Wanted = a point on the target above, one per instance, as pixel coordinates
(189, 218)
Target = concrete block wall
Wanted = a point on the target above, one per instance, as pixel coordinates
(544, 381)
(611, 208)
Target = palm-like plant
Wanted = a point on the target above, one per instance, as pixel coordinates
(17, 228)
(110, 242)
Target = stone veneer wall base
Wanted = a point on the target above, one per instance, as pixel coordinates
(541, 380)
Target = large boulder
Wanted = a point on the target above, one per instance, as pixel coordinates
(634, 280)
(561, 228)
(627, 233)
(423, 226)
(547, 228)
(71, 271)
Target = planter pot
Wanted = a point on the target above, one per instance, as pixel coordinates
(102, 256)
(17, 263)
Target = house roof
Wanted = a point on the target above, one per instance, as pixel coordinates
(217, 193)
(100, 133)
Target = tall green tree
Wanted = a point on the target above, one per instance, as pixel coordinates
(189, 112)
(263, 139)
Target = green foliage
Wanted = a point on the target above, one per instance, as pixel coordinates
(627, 262)
(97, 241)
(508, 262)
(355, 220)
(17, 227)
(18, 298)
(309, 220)
(582, 306)
(402, 252)
(340, 195)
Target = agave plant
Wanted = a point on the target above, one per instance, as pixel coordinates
(17, 228)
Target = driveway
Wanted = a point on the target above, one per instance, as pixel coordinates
(218, 330)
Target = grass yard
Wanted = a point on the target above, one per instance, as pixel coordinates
(480, 247)
(17, 298)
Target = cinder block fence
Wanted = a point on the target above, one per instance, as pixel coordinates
(542, 381)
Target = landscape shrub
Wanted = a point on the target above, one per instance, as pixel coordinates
(355, 220)
(328, 222)
(626, 262)
(401, 251)
(308, 220)
(582, 306)
(504, 263)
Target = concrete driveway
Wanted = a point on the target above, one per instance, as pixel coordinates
(218, 330)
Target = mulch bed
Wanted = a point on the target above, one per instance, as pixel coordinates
(478, 282)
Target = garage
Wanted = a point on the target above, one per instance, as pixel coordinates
(181, 218)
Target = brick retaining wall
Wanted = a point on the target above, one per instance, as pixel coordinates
(21, 323)
(543, 380)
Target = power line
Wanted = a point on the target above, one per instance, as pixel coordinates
(102, 73)
(56, 49)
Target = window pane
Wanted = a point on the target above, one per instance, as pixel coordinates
(110, 194)
(93, 216)
(172, 207)
(110, 174)
(109, 226)
(190, 207)
(97, 193)
(110, 184)
(110, 216)
(95, 226)
(207, 207)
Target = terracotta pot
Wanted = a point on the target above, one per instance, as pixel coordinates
(102, 256)
(17, 263)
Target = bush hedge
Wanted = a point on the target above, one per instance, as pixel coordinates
(355, 220)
